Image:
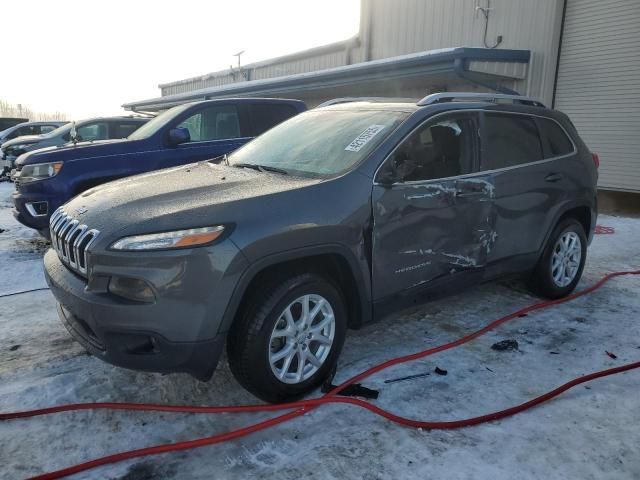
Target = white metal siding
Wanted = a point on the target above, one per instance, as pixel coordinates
(399, 27)
(599, 84)
(395, 27)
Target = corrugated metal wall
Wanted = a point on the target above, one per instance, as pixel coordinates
(406, 26)
(395, 27)
(599, 84)
(309, 64)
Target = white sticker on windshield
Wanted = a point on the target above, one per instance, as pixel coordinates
(362, 139)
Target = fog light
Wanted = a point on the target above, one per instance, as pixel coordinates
(131, 289)
(37, 209)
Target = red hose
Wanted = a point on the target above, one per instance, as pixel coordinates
(307, 405)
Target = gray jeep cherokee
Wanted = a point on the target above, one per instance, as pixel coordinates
(328, 221)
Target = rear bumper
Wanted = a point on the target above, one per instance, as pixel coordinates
(163, 336)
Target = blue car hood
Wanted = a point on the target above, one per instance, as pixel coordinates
(80, 150)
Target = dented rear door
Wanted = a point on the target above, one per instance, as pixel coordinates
(425, 229)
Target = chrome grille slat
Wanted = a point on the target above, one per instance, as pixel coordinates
(71, 240)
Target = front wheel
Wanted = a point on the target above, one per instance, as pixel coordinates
(560, 266)
(289, 338)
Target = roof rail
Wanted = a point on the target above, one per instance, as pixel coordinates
(336, 101)
(490, 97)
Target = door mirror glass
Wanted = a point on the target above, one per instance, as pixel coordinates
(178, 136)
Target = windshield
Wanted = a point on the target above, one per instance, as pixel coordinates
(321, 142)
(58, 131)
(156, 123)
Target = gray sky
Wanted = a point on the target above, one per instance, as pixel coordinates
(86, 58)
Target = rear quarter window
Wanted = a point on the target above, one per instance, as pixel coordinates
(265, 116)
(555, 141)
(511, 140)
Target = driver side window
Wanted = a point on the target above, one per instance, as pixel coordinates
(92, 131)
(446, 147)
(218, 122)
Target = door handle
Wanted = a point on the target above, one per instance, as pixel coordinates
(472, 193)
(553, 177)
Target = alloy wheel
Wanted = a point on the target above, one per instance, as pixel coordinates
(565, 259)
(302, 338)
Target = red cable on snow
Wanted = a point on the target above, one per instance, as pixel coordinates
(602, 230)
(306, 405)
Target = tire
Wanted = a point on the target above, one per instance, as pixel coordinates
(549, 279)
(264, 330)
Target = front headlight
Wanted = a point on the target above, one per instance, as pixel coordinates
(39, 171)
(192, 237)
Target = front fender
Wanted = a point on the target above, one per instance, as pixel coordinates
(359, 268)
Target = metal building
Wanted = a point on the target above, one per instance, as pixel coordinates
(582, 56)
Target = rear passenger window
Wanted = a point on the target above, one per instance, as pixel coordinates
(265, 116)
(554, 140)
(510, 140)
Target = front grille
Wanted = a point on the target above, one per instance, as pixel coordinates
(71, 240)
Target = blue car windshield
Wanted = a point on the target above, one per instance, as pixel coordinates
(157, 122)
(319, 143)
(58, 131)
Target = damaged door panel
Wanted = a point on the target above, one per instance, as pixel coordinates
(529, 190)
(425, 226)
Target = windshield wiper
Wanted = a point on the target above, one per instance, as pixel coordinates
(261, 168)
(219, 159)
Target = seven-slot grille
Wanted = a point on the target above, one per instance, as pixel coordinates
(71, 240)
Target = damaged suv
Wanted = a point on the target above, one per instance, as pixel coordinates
(328, 221)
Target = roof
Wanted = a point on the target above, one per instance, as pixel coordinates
(432, 62)
(331, 47)
(372, 105)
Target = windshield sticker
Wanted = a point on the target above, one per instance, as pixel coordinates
(362, 139)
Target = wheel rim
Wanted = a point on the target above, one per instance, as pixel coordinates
(301, 339)
(565, 260)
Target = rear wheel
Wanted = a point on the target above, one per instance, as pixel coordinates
(560, 266)
(289, 338)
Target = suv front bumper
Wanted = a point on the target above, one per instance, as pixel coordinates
(167, 335)
(25, 215)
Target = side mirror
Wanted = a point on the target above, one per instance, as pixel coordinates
(178, 136)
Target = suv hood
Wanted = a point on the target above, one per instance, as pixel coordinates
(188, 196)
(80, 150)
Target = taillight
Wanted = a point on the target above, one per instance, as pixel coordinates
(596, 159)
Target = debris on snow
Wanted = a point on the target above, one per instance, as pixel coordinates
(505, 345)
(409, 377)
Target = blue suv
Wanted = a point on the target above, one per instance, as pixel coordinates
(48, 178)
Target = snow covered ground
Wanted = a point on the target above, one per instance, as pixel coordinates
(590, 432)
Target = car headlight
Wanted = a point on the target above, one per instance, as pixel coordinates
(192, 237)
(39, 171)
